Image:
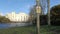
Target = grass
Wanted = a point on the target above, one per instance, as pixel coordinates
(31, 30)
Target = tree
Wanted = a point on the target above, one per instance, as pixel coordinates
(55, 10)
(43, 4)
(32, 13)
(3, 19)
(55, 15)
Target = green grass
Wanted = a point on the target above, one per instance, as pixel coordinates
(31, 30)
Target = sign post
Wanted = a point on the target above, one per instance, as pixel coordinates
(38, 11)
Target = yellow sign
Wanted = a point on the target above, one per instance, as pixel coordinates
(37, 0)
(38, 9)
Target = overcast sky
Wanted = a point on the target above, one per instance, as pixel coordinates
(20, 5)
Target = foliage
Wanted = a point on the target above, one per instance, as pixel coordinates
(3, 19)
(32, 13)
(55, 10)
(55, 15)
(43, 5)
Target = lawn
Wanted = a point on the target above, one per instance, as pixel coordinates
(31, 30)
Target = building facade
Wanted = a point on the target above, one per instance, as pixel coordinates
(21, 17)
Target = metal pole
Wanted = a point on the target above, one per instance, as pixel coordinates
(38, 11)
(48, 1)
(38, 24)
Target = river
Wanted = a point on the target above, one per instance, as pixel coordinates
(7, 25)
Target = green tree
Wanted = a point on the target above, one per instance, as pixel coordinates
(55, 14)
(3, 19)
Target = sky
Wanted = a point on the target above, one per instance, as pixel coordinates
(7, 6)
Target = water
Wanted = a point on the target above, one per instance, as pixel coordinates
(4, 25)
(7, 25)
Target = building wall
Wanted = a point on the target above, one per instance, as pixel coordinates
(21, 17)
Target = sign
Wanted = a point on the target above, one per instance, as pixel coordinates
(38, 9)
(37, 0)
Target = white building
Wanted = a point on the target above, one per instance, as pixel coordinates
(21, 17)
